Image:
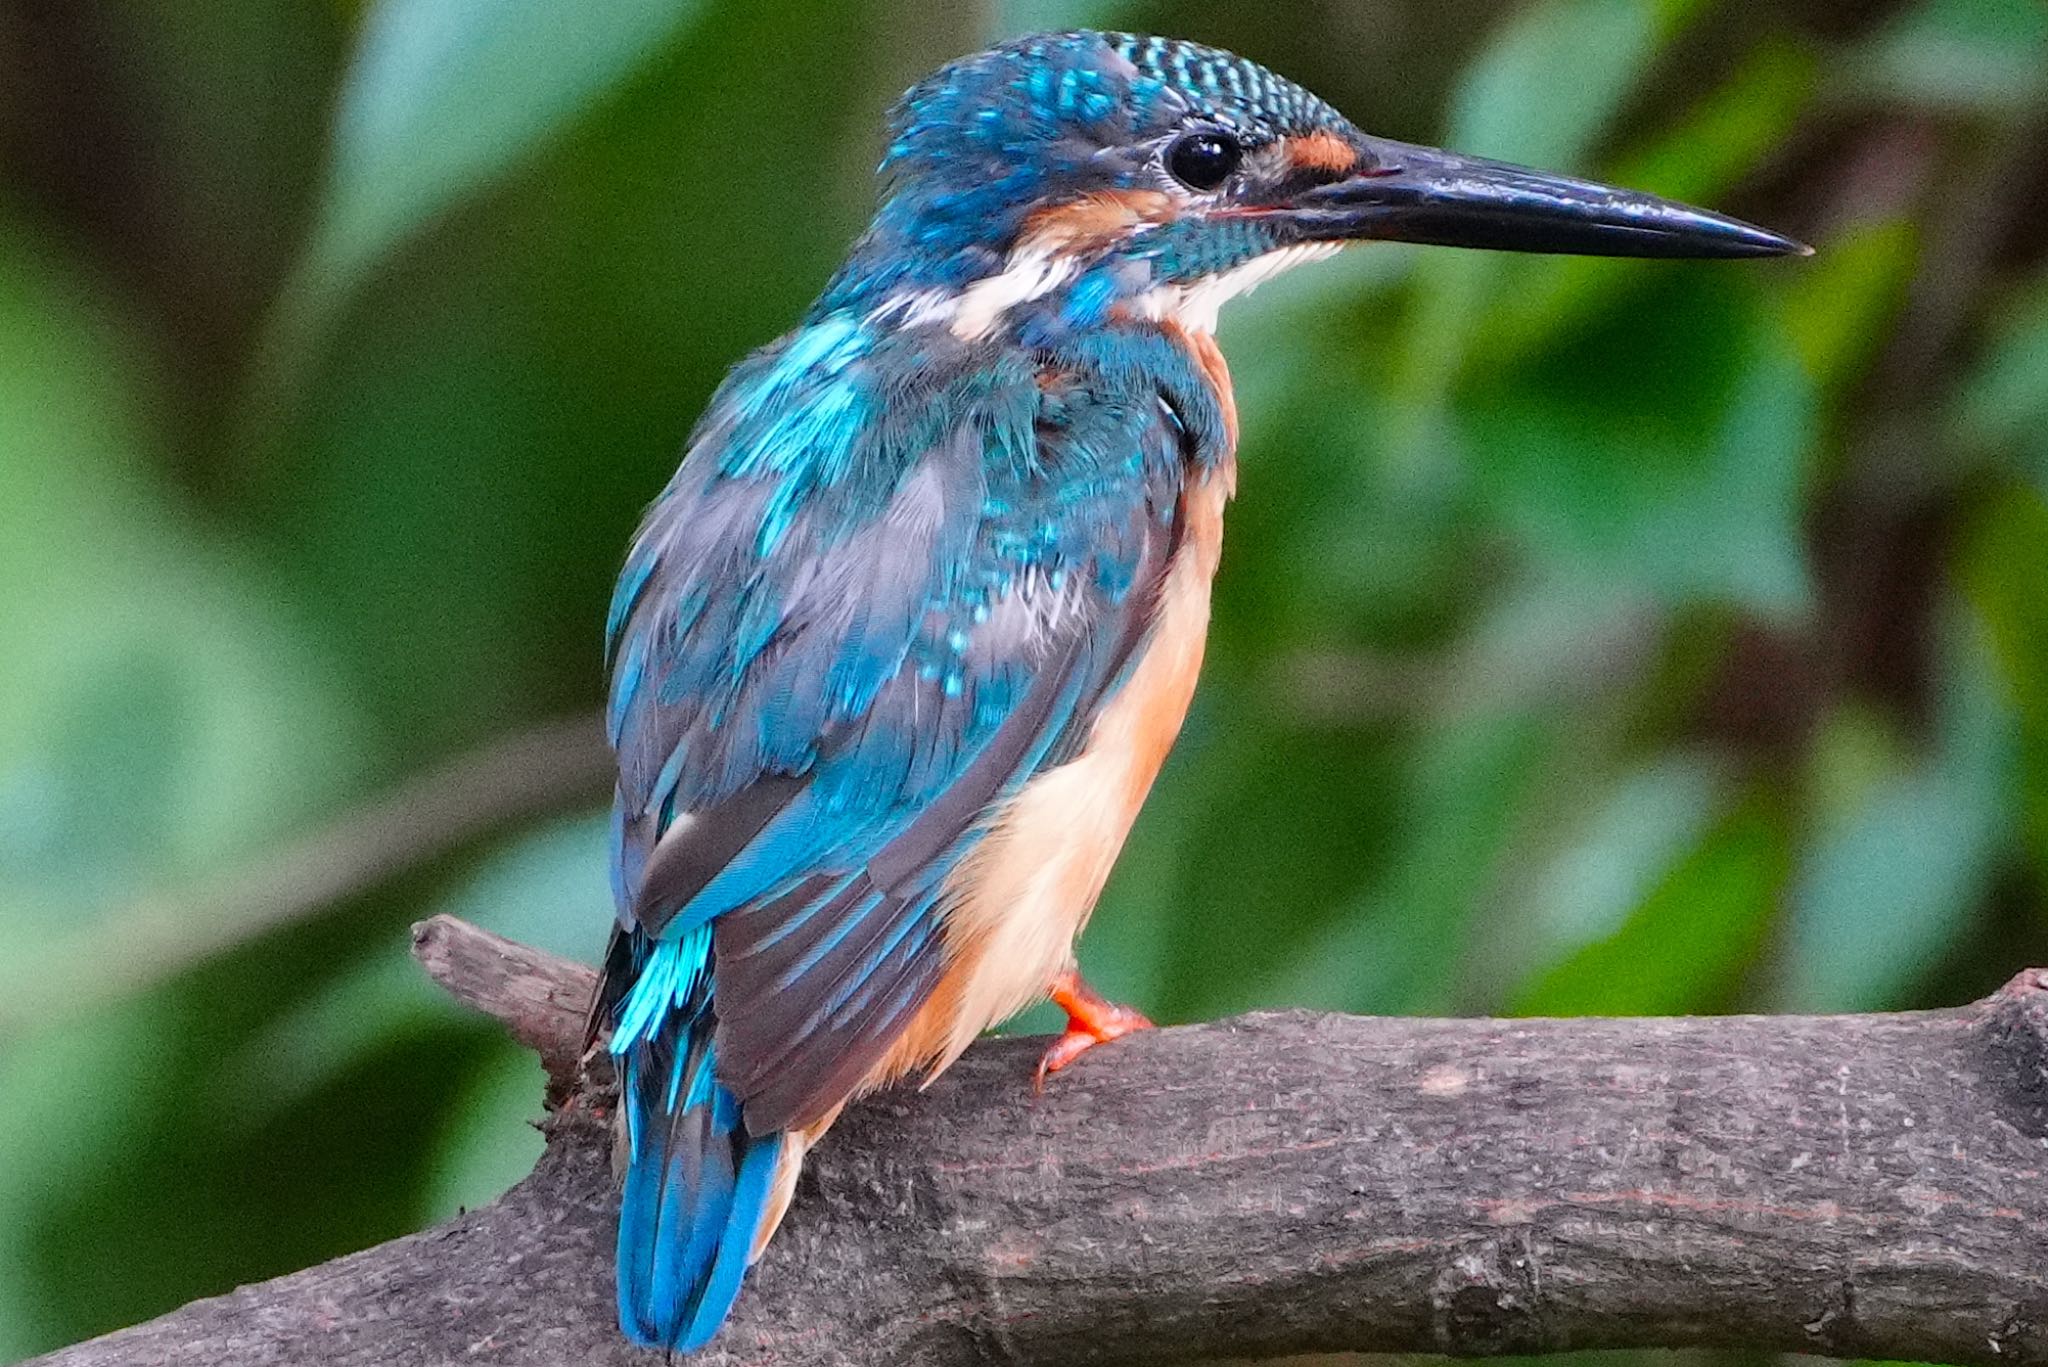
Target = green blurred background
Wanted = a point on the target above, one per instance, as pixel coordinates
(1594, 636)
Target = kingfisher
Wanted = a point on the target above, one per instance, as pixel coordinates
(897, 653)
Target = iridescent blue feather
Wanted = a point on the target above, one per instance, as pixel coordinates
(898, 574)
(839, 640)
(916, 546)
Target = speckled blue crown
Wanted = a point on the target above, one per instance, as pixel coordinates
(1223, 86)
(984, 140)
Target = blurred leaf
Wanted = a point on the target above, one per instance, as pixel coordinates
(1734, 125)
(443, 96)
(2005, 403)
(1552, 75)
(1277, 819)
(551, 888)
(1980, 55)
(372, 1005)
(53, 1148)
(1395, 948)
(1888, 884)
(452, 495)
(494, 1138)
(1685, 948)
(2004, 566)
(547, 888)
(1330, 542)
(236, 98)
(1725, 135)
(1663, 450)
(1838, 307)
(1856, 750)
(1883, 892)
(1646, 822)
(156, 716)
(1545, 85)
(1306, 310)
(1016, 17)
(1554, 641)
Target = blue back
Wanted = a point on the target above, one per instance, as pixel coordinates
(896, 576)
(898, 573)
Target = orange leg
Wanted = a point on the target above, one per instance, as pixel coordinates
(1092, 1019)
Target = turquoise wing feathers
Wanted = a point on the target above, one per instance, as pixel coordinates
(882, 591)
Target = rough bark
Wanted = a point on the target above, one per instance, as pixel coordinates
(1276, 1184)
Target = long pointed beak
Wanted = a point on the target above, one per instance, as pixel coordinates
(1403, 193)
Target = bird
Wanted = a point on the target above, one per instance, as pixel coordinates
(896, 655)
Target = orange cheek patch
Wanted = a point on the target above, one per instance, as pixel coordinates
(1321, 152)
(1096, 219)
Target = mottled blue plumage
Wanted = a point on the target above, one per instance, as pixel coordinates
(984, 142)
(896, 575)
(858, 605)
(918, 546)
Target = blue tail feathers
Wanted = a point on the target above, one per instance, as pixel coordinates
(697, 1184)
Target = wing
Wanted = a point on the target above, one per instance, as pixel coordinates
(832, 660)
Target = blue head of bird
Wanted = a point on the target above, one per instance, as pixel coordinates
(1067, 180)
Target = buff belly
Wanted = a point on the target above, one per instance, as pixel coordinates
(1020, 899)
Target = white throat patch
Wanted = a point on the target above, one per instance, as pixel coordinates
(1033, 271)
(1194, 304)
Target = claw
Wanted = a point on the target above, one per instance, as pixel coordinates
(1092, 1019)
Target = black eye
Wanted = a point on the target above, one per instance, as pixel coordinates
(1203, 161)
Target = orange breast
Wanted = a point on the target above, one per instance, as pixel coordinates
(1018, 901)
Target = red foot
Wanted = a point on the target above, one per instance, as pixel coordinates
(1092, 1019)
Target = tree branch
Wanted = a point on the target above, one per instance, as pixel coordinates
(1857, 1186)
